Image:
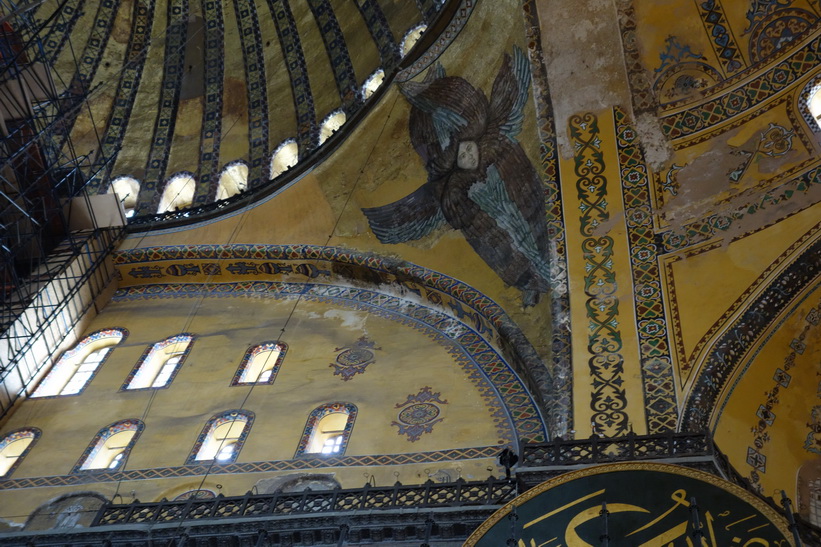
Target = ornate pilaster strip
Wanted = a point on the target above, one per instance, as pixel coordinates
(135, 56)
(644, 101)
(55, 38)
(257, 88)
(608, 397)
(560, 408)
(654, 349)
(175, 38)
(214, 54)
(380, 30)
(338, 54)
(307, 130)
(87, 67)
(721, 35)
(428, 9)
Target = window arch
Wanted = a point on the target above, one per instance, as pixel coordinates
(222, 437)
(372, 83)
(109, 449)
(127, 190)
(328, 430)
(411, 37)
(284, 157)
(76, 367)
(13, 448)
(260, 364)
(160, 363)
(331, 124)
(809, 103)
(233, 180)
(178, 193)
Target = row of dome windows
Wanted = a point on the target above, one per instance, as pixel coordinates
(157, 366)
(326, 434)
(179, 190)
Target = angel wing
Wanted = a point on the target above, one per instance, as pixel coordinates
(412, 217)
(509, 94)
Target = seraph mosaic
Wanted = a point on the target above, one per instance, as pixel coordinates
(480, 181)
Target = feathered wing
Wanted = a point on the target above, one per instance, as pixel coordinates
(412, 217)
(509, 94)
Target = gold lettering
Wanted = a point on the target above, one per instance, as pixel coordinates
(738, 521)
(667, 538)
(563, 507)
(571, 537)
(679, 496)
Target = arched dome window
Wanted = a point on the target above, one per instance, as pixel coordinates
(110, 447)
(76, 367)
(814, 104)
(328, 430)
(233, 180)
(260, 364)
(127, 189)
(222, 437)
(372, 83)
(160, 363)
(331, 124)
(178, 193)
(13, 448)
(411, 37)
(284, 157)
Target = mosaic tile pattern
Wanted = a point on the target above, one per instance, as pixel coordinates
(721, 36)
(132, 68)
(307, 128)
(99, 439)
(115, 333)
(732, 345)
(608, 396)
(229, 416)
(482, 365)
(656, 360)
(560, 404)
(338, 54)
(27, 433)
(316, 416)
(173, 66)
(60, 29)
(418, 414)
(469, 305)
(139, 371)
(214, 54)
(778, 29)
(642, 95)
(252, 352)
(256, 84)
(381, 33)
(298, 464)
(428, 9)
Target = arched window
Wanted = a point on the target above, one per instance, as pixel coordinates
(233, 180)
(327, 430)
(110, 447)
(411, 37)
(222, 437)
(814, 104)
(178, 193)
(13, 448)
(77, 366)
(331, 124)
(160, 363)
(284, 157)
(127, 189)
(260, 364)
(372, 83)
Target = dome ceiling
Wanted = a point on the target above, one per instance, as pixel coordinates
(194, 99)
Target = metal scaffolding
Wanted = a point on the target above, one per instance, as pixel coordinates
(53, 248)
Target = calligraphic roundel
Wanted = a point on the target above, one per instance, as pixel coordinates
(480, 181)
(647, 505)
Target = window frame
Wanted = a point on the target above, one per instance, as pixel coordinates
(248, 358)
(98, 443)
(5, 443)
(148, 354)
(85, 347)
(216, 421)
(315, 418)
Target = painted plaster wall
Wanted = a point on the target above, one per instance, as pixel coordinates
(405, 361)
